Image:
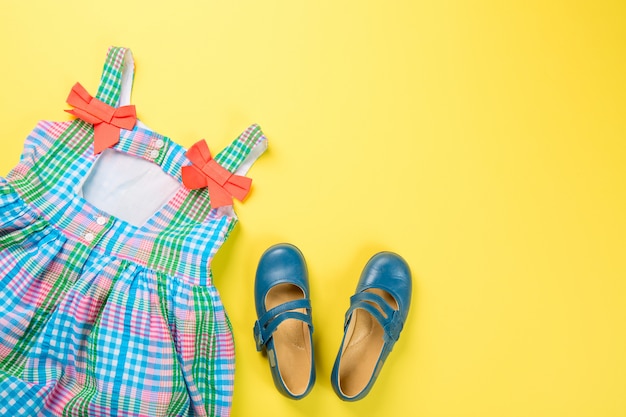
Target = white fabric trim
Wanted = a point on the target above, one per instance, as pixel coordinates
(128, 72)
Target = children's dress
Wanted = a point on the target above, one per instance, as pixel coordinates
(107, 305)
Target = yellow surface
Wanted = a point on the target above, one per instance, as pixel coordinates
(484, 141)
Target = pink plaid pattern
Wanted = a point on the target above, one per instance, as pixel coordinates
(101, 317)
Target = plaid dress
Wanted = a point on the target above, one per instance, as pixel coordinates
(100, 317)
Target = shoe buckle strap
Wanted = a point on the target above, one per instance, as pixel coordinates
(390, 319)
(258, 336)
(263, 330)
(393, 327)
(272, 313)
(372, 299)
(372, 303)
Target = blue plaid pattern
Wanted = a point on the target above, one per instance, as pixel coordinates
(102, 317)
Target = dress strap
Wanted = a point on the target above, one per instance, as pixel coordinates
(239, 156)
(117, 77)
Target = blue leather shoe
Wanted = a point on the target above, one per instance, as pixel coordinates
(284, 328)
(372, 324)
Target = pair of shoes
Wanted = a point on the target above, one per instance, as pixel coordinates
(284, 329)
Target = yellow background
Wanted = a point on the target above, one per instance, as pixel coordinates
(483, 141)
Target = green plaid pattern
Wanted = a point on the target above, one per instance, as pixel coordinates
(99, 316)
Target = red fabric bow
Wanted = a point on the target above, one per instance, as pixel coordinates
(106, 120)
(205, 172)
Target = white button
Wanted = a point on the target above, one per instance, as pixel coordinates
(89, 237)
(101, 220)
(154, 154)
(159, 143)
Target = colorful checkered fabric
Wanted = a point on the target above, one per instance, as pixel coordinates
(99, 317)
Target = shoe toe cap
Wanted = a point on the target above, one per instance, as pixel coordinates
(281, 263)
(390, 272)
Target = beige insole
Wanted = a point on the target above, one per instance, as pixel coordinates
(292, 342)
(362, 347)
